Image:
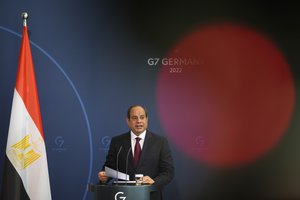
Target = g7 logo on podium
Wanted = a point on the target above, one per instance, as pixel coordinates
(117, 197)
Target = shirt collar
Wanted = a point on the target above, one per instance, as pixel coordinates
(142, 135)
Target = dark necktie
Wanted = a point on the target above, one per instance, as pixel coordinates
(137, 151)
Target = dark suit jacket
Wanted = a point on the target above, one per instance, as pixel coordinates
(156, 160)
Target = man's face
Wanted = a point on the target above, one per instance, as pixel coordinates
(138, 121)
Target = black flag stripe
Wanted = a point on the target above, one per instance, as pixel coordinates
(12, 185)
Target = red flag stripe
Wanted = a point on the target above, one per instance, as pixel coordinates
(26, 83)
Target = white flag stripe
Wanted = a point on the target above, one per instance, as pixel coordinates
(35, 176)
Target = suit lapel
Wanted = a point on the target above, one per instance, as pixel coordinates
(146, 147)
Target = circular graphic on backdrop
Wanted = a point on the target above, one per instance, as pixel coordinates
(225, 95)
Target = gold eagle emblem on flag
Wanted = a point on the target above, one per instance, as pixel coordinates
(24, 152)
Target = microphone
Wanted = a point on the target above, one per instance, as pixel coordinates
(127, 161)
(117, 172)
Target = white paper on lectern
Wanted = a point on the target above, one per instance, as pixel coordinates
(115, 174)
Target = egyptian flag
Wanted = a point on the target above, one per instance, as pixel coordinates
(26, 169)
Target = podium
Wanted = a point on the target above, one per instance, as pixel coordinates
(122, 191)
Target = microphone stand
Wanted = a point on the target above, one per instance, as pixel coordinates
(117, 173)
(127, 163)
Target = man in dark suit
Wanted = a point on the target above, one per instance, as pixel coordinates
(153, 157)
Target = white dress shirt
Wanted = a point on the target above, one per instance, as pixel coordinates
(133, 140)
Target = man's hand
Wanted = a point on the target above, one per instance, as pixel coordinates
(102, 176)
(148, 180)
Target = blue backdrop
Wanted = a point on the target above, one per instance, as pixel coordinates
(92, 61)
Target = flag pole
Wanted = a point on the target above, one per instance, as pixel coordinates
(24, 16)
